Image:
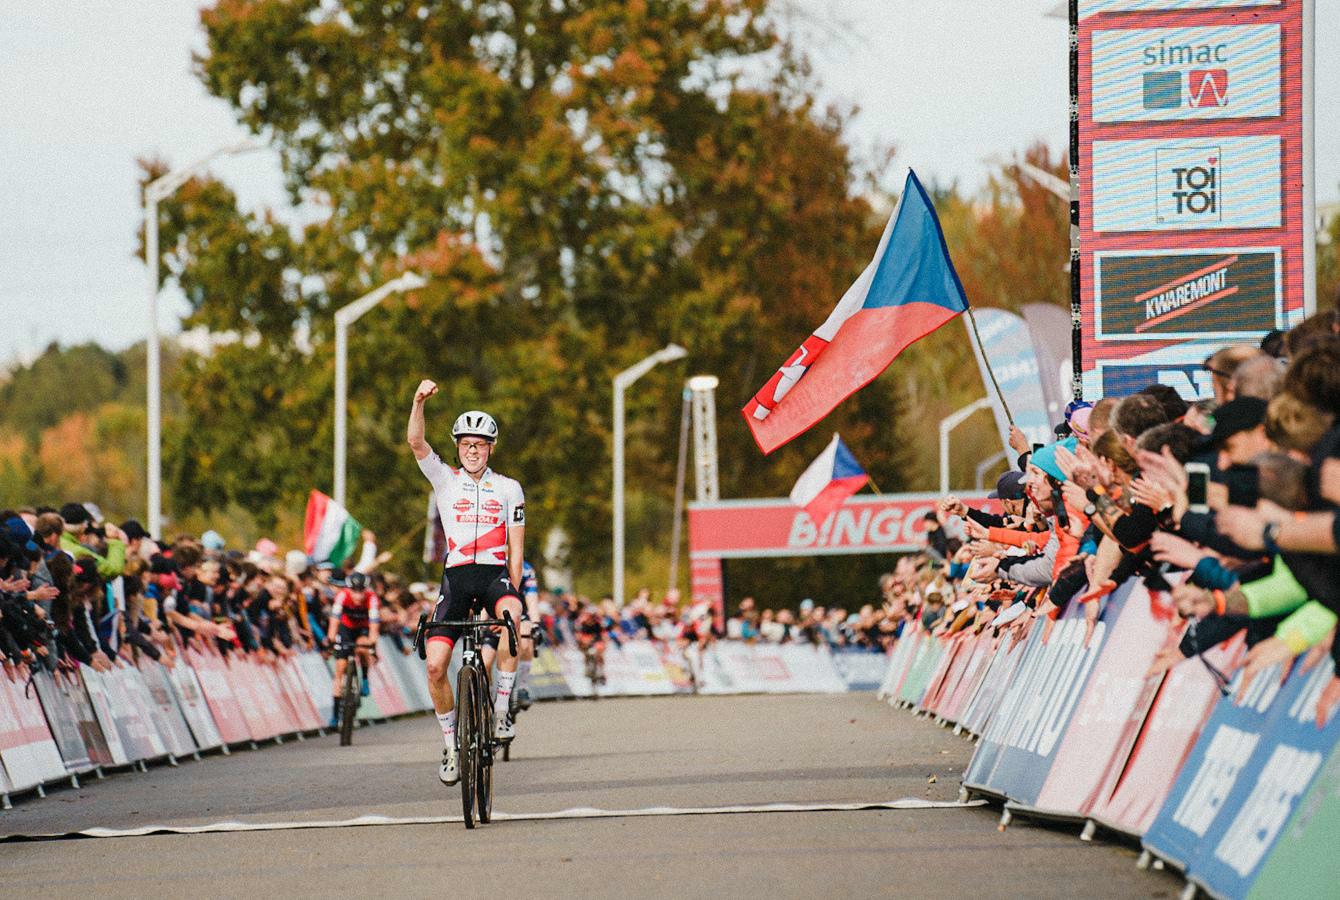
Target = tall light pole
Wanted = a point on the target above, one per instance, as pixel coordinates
(344, 317)
(668, 353)
(154, 192)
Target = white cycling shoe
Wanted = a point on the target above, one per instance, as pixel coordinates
(449, 772)
(504, 729)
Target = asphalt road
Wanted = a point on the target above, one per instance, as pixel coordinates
(684, 752)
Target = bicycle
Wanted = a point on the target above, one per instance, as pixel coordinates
(474, 712)
(351, 694)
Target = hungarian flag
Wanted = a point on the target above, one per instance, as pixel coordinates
(833, 477)
(329, 533)
(907, 291)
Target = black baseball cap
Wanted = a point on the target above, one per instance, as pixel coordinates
(74, 514)
(1009, 486)
(134, 530)
(1242, 414)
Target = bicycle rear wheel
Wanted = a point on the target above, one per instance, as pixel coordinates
(484, 779)
(350, 701)
(467, 738)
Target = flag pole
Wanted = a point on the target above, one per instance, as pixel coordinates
(987, 361)
(870, 478)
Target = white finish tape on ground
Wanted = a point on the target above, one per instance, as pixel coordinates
(581, 812)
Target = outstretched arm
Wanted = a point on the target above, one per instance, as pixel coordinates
(414, 433)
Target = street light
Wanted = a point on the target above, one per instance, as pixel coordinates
(698, 399)
(154, 192)
(948, 424)
(344, 317)
(668, 353)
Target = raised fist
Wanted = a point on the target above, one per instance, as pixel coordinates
(426, 389)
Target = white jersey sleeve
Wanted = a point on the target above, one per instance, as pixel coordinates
(436, 471)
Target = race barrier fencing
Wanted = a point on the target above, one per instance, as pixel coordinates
(58, 726)
(1241, 796)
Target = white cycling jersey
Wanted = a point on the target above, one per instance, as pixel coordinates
(475, 514)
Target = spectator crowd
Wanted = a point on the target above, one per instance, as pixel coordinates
(1224, 507)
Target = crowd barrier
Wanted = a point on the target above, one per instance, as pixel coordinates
(71, 723)
(1238, 796)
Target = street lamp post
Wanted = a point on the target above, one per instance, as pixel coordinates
(155, 192)
(668, 353)
(344, 317)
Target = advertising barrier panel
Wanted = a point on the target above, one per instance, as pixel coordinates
(1286, 761)
(1185, 700)
(193, 705)
(546, 676)
(27, 750)
(859, 669)
(224, 707)
(156, 696)
(64, 723)
(1304, 862)
(94, 686)
(1215, 765)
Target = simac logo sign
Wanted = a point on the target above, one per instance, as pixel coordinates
(1171, 74)
(1188, 182)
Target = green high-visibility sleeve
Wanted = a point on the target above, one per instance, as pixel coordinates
(1275, 594)
(1307, 626)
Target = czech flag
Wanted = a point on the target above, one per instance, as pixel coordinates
(907, 291)
(833, 477)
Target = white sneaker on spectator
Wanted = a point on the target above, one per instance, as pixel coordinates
(448, 772)
(504, 729)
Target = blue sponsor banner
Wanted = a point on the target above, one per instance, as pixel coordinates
(861, 670)
(1217, 762)
(1124, 379)
(1286, 761)
(1007, 343)
(1019, 746)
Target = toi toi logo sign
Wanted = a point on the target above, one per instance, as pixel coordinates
(1188, 183)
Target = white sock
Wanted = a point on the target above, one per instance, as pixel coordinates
(505, 682)
(522, 674)
(448, 723)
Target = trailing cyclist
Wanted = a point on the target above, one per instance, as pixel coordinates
(355, 620)
(484, 519)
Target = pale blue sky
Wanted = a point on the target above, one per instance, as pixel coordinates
(87, 87)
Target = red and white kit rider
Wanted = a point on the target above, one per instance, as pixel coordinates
(475, 514)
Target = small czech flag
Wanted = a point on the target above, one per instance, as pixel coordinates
(833, 477)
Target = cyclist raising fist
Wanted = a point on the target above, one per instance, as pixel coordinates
(484, 518)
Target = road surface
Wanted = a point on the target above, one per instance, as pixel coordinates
(616, 754)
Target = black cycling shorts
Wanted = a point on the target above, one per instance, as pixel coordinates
(467, 590)
(345, 640)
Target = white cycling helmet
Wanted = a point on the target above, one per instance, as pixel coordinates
(475, 424)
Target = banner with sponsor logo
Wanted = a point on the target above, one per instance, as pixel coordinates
(28, 752)
(1190, 158)
(1217, 762)
(1019, 747)
(860, 670)
(1304, 862)
(1131, 796)
(880, 523)
(1006, 342)
(64, 723)
(1287, 759)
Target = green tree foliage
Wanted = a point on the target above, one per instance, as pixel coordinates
(582, 182)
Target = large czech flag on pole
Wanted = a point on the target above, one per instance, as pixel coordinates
(833, 477)
(907, 291)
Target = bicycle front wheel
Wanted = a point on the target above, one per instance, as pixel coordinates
(468, 728)
(484, 779)
(349, 705)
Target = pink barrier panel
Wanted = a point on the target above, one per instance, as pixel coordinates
(970, 679)
(1185, 701)
(71, 685)
(156, 696)
(232, 724)
(257, 705)
(1117, 691)
(27, 748)
(962, 647)
(910, 639)
(384, 691)
(941, 669)
(295, 691)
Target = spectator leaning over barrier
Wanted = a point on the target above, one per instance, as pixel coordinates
(81, 537)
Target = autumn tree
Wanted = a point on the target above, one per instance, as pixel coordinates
(582, 182)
